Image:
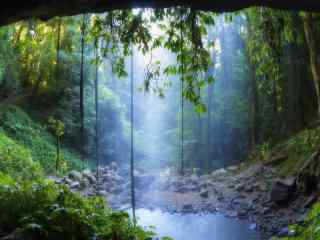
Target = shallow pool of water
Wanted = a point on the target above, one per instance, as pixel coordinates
(195, 226)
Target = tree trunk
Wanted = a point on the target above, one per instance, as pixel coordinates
(313, 52)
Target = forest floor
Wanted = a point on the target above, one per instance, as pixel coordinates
(254, 193)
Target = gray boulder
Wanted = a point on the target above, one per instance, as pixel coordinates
(90, 176)
(75, 175)
(282, 190)
(204, 194)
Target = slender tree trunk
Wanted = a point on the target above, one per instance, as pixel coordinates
(82, 90)
(314, 64)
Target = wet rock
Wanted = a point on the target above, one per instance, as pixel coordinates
(253, 226)
(231, 214)
(90, 176)
(243, 213)
(282, 190)
(75, 175)
(114, 166)
(115, 190)
(84, 183)
(12, 236)
(187, 207)
(218, 172)
(194, 179)
(265, 210)
(67, 181)
(196, 171)
(75, 185)
(302, 218)
(232, 168)
(204, 194)
(286, 232)
(144, 181)
(204, 185)
(248, 188)
(205, 178)
(310, 201)
(239, 188)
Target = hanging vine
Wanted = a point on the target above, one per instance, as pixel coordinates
(182, 91)
(83, 32)
(133, 201)
(96, 96)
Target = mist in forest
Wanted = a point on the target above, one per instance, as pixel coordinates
(213, 139)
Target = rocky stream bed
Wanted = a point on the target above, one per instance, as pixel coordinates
(254, 194)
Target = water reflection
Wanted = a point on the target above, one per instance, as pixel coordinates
(195, 226)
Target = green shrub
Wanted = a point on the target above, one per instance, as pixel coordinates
(311, 227)
(299, 149)
(16, 160)
(42, 144)
(44, 210)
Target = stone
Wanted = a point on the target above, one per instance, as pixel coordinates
(231, 214)
(13, 236)
(90, 176)
(187, 207)
(204, 185)
(75, 175)
(194, 179)
(218, 172)
(242, 213)
(282, 190)
(67, 181)
(204, 194)
(248, 188)
(75, 185)
(302, 218)
(286, 232)
(232, 168)
(114, 166)
(310, 201)
(144, 180)
(253, 226)
(115, 190)
(84, 183)
(103, 193)
(239, 188)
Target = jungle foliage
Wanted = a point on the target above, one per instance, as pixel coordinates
(247, 79)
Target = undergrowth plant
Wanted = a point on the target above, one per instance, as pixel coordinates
(43, 210)
(17, 125)
(310, 229)
(16, 160)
